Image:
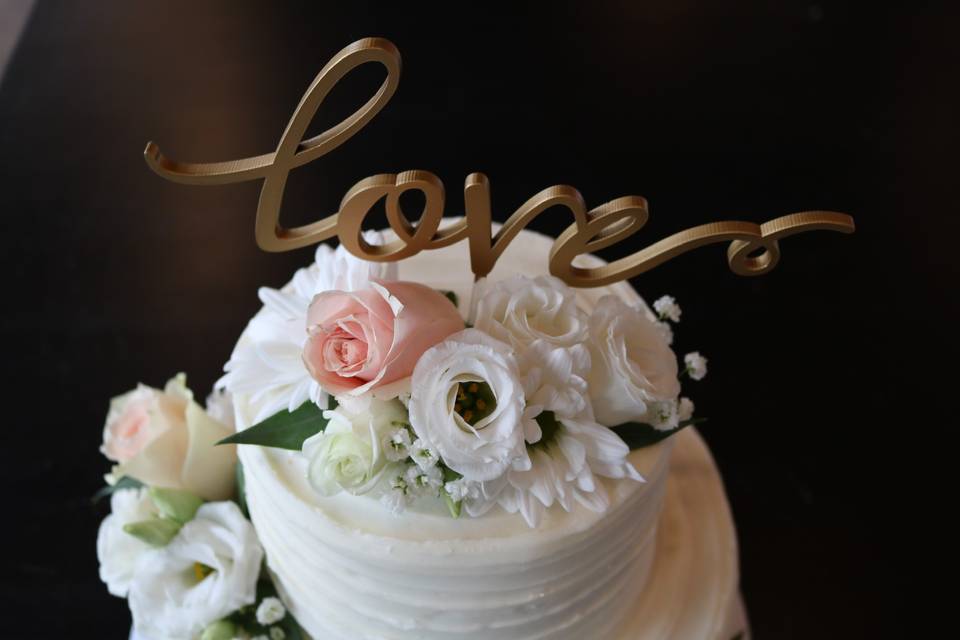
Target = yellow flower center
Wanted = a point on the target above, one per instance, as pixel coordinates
(201, 571)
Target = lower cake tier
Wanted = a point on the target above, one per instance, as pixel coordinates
(677, 580)
(348, 569)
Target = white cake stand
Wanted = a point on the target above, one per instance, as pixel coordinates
(692, 591)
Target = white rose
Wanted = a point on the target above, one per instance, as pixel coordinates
(117, 550)
(348, 454)
(520, 310)
(208, 570)
(480, 436)
(633, 367)
(165, 439)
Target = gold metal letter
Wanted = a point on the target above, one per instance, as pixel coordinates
(293, 151)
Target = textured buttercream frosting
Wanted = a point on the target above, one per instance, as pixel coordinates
(349, 569)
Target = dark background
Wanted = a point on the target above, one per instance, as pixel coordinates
(829, 387)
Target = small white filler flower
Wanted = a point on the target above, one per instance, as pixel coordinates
(696, 365)
(270, 611)
(667, 308)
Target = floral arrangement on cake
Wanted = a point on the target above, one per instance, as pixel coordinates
(387, 391)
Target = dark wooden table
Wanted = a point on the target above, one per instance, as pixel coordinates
(826, 414)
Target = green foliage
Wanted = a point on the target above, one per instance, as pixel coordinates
(125, 482)
(157, 532)
(284, 430)
(176, 504)
(638, 435)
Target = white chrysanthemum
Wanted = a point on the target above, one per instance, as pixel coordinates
(118, 551)
(270, 610)
(276, 633)
(696, 365)
(268, 364)
(568, 448)
(208, 571)
(667, 308)
(520, 309)
(685, 409)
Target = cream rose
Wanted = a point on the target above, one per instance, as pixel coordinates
(466, 405)
(164, 439)
(633, 370)
(208, 570)
(371, 339)
(348, 455)
(520, 310)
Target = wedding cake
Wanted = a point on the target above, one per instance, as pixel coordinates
(433, 432)
(399, 520)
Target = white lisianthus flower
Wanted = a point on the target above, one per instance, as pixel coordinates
(696, 365)
(208, 570)
(569, 448)
(467, 405)
(270, 610)
(267, 366)
(348, 454)
(520, 310)
(667, 308)
(685, 409)
(632, 365)
(118, 551)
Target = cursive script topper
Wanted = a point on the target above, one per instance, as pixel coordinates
(753, 249)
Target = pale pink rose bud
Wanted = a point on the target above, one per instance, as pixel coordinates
(367, 340)
(165, 439)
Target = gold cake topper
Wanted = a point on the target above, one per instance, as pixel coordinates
(753, 248)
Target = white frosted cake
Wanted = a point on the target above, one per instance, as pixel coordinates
(349, 569)
(526, 477)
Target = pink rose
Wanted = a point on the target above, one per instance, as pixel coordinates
(165, 439)
(365, 340)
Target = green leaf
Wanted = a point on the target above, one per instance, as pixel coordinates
(638, 435)
(455, 506)
(241, 498)
(220, 630)
(176, 504)
(125, 482)
(284, 430)
(157, 532)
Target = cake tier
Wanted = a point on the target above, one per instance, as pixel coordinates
(349, 569)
